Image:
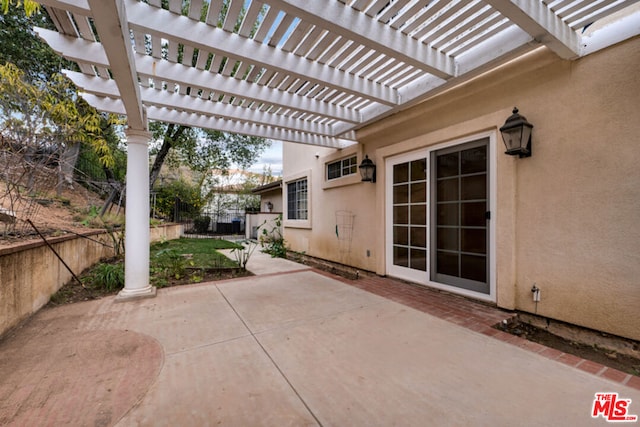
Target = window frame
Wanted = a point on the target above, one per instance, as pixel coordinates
(299, 206)
(291, 180)
(339, 155)
(351, 167)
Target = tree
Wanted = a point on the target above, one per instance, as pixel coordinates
(88, 166)
(203, 150)
(22, 47)
(178, 200)
(68, 119)
(65, 118)
(48, 117)
(171, 136)
(30, 6)
(48, 113)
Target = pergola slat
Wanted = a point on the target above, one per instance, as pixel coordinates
(182, 29)
(325, 68)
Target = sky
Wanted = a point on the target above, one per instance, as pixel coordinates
(272, 157)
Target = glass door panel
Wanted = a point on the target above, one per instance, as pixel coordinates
(460, 232)
(410, 214)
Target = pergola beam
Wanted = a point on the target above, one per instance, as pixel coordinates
(348, 22)
(80, 7)
(150, 96)
(193, 77)
(535, 18)
(87, 52)
(74, 48)
(169, 115)
(227, 111)
(114, 35)
(190, 119)
(181, 29)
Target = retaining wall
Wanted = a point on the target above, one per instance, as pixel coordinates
(31, 273)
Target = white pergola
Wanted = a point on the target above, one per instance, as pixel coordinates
(304, 71)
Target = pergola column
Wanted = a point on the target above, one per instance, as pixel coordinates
(137, 239)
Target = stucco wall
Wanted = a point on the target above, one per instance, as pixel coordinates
(256, 223)
(330, 208)
(566, 218)
(275, 197)
(31, 273)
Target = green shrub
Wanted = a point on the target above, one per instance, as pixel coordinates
(178, 200)
(170, 263)
(201, 224)
(109, 277)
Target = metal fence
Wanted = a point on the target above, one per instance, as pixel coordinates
(212, 222)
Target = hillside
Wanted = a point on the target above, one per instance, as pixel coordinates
(71, 212)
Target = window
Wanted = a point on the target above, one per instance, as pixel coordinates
(343, 167)
(297, 199)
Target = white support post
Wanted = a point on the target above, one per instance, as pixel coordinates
(137, 239)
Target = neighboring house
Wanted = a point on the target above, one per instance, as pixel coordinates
(270, 209)
(450, 210)
(228, 199)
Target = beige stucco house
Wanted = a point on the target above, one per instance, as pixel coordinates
(422, 88)
(270, 210)
(450, 210)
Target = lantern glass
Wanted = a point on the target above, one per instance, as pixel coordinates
(512, 139)
(367, 170)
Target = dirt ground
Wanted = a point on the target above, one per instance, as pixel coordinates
(606, 357)
(55, 215)
(72, 292)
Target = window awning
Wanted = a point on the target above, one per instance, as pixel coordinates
(304, 71)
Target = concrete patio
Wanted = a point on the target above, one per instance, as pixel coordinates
(288, 346)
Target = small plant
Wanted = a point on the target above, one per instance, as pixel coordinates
(243, 252)
(109, 277)
(170, 263)
(195, 278)
(162, 243)
(158, 281)
(90, 216)
(271, 239)
(117, 238)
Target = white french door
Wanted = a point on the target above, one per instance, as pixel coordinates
(407, 190)
(438, 217)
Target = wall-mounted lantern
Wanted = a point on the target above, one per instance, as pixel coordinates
(367, 170)
(516, 134)
(269, 206)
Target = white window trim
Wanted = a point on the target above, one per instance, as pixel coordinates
(297, 223)
(422, 277)
(340, 155)
(340, 162)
